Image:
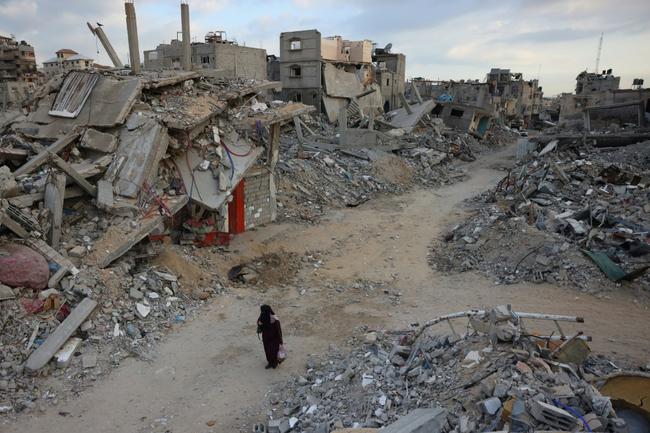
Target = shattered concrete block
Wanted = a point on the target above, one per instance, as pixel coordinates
(79, 251)
(64, 355)
(553, 416)
(89, 361)
(98, 141)
(420, 421)
(490, 406)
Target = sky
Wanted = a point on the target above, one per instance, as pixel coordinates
(552, 40)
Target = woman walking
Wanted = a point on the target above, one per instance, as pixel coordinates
(269, 326)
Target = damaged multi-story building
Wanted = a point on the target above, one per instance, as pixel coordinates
(216, 52)
(17, 60)
(517, 101)
(330, 72)
(599, 102)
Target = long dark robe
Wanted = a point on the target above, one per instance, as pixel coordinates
(272, 339)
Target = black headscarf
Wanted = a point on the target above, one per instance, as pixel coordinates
(265, 315)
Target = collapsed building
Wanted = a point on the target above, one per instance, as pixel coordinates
(331, 72)
(17, 60)
(216, 52)
(599, 102)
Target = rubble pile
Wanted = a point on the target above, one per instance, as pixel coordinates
(314, 180)
(571, 215)
(497, 377)
(79, 291)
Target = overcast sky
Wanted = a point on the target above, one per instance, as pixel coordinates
(451, 39)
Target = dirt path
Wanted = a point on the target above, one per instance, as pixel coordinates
(211, 369)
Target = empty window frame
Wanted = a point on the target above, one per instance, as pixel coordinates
(295, 71)
(295, 44)
(456, 113)
(205, 59)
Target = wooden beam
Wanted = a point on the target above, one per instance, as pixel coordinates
(42, 157)
(74, 174)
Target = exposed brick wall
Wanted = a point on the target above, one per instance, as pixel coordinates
(259, 200)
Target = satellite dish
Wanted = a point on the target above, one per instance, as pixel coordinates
(388, 47)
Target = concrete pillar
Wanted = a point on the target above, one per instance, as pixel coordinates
(132, 31)
(99, 32)
(186, 59)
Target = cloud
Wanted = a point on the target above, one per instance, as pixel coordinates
(458, 39)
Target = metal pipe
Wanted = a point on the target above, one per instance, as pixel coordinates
(186, 59)
(132, 32)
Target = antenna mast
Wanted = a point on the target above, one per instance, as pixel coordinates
(600, 47)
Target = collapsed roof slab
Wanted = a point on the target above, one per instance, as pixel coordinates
(143, 143)
(120, 238)
(108, 105)
(400, 118)
(339, 83)
(202, 187)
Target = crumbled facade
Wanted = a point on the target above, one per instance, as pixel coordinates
(17, 60)
(216, 52)
(303, 58)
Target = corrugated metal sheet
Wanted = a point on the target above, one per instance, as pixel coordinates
(73, 94)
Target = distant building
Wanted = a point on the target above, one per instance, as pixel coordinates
(516, 99)
(17, 60)
(217, 52)
(66, 60)
(599, 102)
(590, 82)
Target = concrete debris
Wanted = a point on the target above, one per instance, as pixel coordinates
(574, 216)
(413, 381)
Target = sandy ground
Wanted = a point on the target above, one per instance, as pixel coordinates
(210, 371)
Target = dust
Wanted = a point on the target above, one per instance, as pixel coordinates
(190, 275)
(393, 169)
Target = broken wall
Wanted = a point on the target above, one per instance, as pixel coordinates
(238, 61)
(259, 198)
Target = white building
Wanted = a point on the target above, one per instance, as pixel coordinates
(66, 60)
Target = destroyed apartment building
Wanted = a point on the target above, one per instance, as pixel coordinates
(598, 102)
(471, 105)
(330, 73)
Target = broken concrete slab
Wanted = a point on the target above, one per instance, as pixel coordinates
(118, 239)
(41, 356)
(201, 185)
(420, 421)
(400, 118)
(340, 83)
(98, 141)
(138, 154)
